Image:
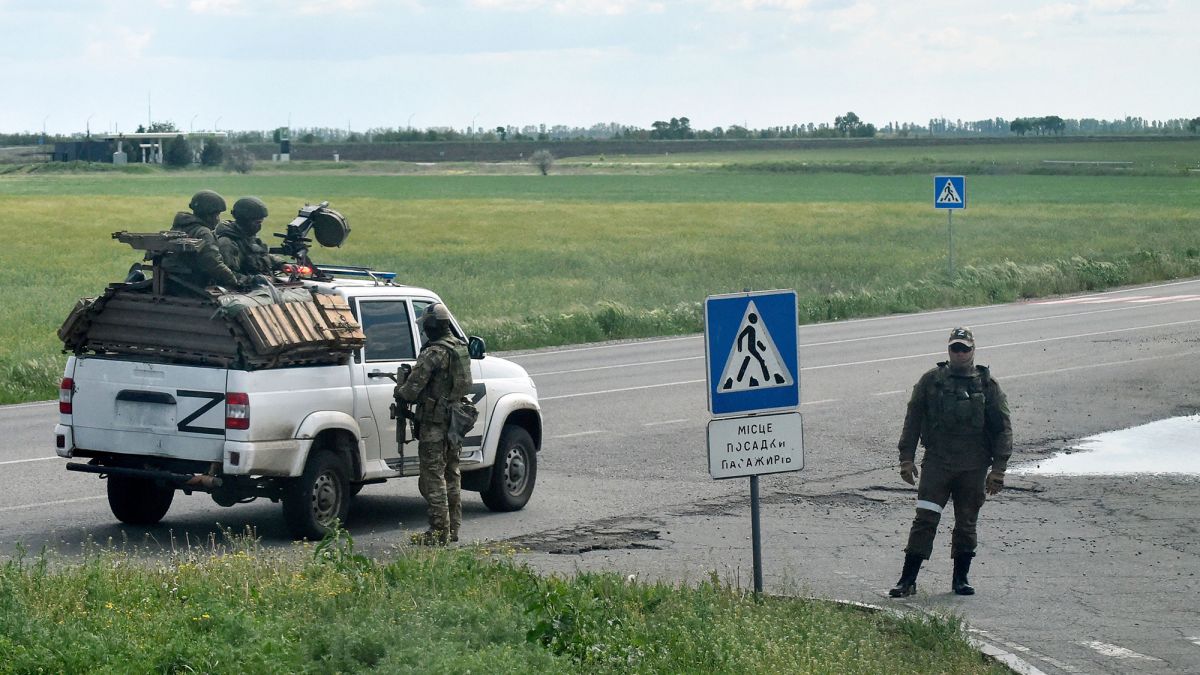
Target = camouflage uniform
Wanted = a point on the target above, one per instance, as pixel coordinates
(441, 375)
(963, 422)
(243, 252)
(203, 268)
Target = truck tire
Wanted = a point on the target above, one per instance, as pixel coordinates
(138, 501)
(320, 496)
(514, 473)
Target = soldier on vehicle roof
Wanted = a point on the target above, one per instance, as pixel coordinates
(960, 415)
(205, 267)
(238, 240)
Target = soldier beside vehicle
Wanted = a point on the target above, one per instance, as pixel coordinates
(437, 384)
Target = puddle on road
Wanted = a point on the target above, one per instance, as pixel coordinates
(1166, 446)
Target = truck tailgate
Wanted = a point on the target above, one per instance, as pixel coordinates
(149, 409)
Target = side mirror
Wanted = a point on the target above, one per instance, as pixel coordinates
(476, 347)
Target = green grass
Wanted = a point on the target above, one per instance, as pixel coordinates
(528, 261)
(286, 192)
(235, 607)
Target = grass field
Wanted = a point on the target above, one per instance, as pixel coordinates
(527, 260)
(234, 607)
(1166, 156)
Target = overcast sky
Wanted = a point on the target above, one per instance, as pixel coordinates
(362, 64)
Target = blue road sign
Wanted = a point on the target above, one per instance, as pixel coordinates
(752, 352)
(949, 192)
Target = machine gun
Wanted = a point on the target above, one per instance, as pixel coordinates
(157, 245)
(328, 226)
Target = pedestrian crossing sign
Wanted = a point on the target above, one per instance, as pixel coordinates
(751, 352)
(949, 192)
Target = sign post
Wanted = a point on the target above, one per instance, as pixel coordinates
(950, 193)
(752, 360)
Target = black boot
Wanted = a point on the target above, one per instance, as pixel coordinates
(908, 577)
(962, 565)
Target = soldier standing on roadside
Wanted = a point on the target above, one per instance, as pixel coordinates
(205, 267)
(441, 376)
(961, 417)
(238, 240)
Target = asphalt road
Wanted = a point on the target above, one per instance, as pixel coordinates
(1075, 574)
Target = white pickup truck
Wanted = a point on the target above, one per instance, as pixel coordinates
(307, 435)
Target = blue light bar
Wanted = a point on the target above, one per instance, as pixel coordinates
(366, 272)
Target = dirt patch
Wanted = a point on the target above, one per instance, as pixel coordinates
(606, 536)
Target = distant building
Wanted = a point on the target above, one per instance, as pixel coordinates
(147, 147)
(84, 151)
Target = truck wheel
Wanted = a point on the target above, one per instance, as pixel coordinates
(312, 502)
(514, 473)
(138, 501)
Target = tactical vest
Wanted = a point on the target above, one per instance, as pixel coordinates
(957, 405)
(249, 255)
(445, 387)
(460, 366)
(185, 266)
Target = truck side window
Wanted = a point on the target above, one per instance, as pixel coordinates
(388, 331)
(419, 307)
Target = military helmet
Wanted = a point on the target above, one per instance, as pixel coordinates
(206, 202)
(249, 208)
(436, 317)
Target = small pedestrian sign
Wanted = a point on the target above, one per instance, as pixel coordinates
(751, 349)
(754, 361)
(949, 192)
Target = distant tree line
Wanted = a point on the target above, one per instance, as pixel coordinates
(849, 125)
(1051, 124)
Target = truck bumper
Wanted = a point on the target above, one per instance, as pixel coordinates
(64, 440)
(266, 458)
(177, 480)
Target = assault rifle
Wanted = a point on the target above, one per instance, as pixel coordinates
(328, 226)
(401, 410)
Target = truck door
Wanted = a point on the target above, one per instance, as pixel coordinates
(388, 327)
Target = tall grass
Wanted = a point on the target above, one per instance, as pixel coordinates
(533, 261)
(238, 608)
